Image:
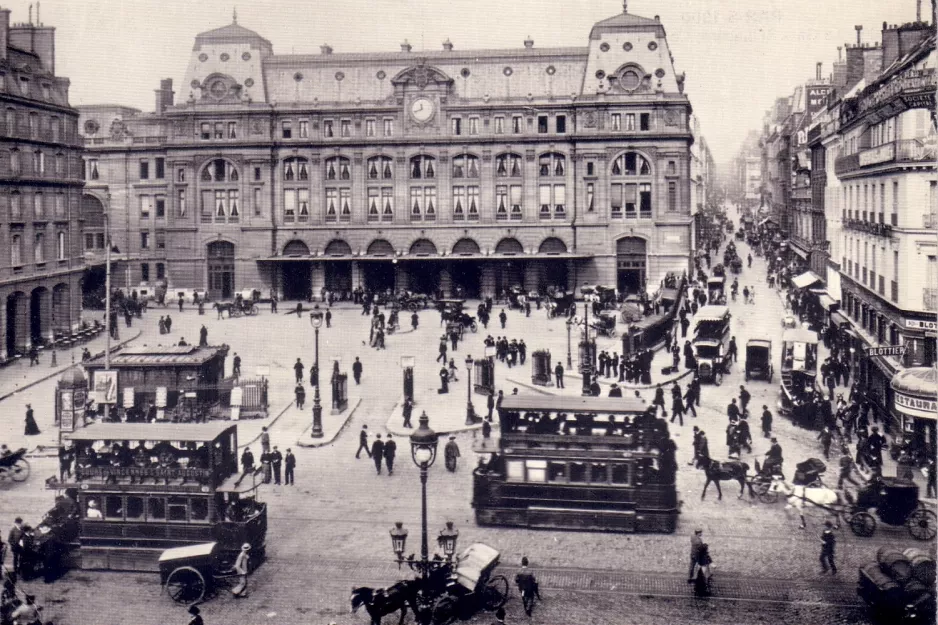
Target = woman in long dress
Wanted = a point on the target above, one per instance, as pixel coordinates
(32, 428)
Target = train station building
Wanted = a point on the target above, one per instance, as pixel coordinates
(468, 171)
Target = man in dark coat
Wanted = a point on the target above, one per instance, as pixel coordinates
(357, 370)
(444, 381)
(390, 450)
(276, 461)
(298, 370)
(558, 375)
(677, 404)
(502, 318)
(659, 400)
(414, 321)
(247, 460)
(689, 399)
(377, 452)
(684, 325)
(744, 398)
(732, 410)
(407, 411)
(766, 422)
(733, 350)
(363, 442)
(745, 435)
(615, 391)
(289, 466)
(203, 337)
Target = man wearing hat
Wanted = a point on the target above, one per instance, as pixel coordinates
(695, 542)
(242, 567)
(196, 616)
(615, 391)
(451, 452)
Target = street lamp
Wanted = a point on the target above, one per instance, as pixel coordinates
(569, 355)
(470, 411)
(586, 366)
(423, 447)
(407, 364)
(315, 319)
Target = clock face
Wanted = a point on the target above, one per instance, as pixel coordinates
(422, 110)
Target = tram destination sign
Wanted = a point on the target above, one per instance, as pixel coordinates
(891, 350)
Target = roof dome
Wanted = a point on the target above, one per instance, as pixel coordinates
(920, 381)
(232, 33)
(73, 376)
(624, 22)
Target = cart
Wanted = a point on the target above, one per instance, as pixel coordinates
(759, 360)
(192, 573)
(15, 466)
(471, 586)
(559, 305)
(896, 503)
(605, 324)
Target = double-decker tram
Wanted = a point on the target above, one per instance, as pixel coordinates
(587, 463)
(141, 488)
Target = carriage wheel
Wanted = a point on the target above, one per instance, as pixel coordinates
(474, 326)
(253, 310)
(444, 610)
(235, 312)
(922, 524)
(185, 585)
(495, 593)
(20, 470)
(766, 495)
(862, 524)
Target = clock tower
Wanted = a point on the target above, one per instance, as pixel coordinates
(422, 90)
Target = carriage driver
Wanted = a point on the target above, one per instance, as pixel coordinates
(773, 458)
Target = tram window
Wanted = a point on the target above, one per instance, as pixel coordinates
(556, 471)
(135, 508)
(156, 509)
(577, 471)
(537, 470)
(177, 508)
(620, 474)
(113, 507)
(198, 509)
(599, 473)
(515, 470)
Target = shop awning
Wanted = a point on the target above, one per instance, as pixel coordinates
(839, 319)
(806, 279)
(826, 301)
(797, 250)
(916, 392)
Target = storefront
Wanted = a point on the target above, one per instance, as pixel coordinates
(915, 406)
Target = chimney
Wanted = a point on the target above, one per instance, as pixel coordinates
(406, 47)
(4, 32)
(448, 45)
(818, 71)
(40, 40)
(164, 95)
(839, 56)
(859, 29)
(529, 43)
(918, 10)
(325, 49)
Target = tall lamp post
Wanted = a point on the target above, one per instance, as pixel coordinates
(470, 410)
(315, 319)
(586, 366)
(569, 355)
(423, 443)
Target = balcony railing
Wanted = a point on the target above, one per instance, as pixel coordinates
(870, 227)
(899, 151)
(915, 150)
(846, 164)
(930, 299)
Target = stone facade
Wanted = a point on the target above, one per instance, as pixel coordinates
(41, 262)
(478, 169)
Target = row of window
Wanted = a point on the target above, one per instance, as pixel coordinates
(17, 252)
(173, 508)
(544, 471)
(33, 125)
(145, 271)
(864, 269)
(865, 204)
(36, 163)
(38, 206)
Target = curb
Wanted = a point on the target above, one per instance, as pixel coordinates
(274, 420)
(64, 369)
(402, 431)
(322, 443)
(621, 385)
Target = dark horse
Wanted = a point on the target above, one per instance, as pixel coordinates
(729, 471)
(223, 308)
(379, 602)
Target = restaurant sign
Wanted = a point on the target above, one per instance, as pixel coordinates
(891, 350)
(921, 324)
(916, 406)
(911, 85)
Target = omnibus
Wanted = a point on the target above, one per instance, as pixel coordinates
(585, 463)
(140, 488)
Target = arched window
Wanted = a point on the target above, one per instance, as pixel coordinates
(552, 164)
(295, 168)
(465, 166)
(220, 199)
(338, 168)
(508, 165)
(379, 168)
(422, 167)
(630, 191)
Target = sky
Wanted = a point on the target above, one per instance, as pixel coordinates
(738, 55)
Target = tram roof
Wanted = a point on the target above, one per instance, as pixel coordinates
(183, 432)
(799, 335)
(573, 404)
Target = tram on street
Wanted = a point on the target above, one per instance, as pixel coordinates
(142, 488)
(582, 463)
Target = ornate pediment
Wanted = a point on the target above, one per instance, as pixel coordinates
(220, 89)
(420, 76)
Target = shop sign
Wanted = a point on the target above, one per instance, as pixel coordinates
(891, 350)
(916, 406)
(921, 324)
(105, 386)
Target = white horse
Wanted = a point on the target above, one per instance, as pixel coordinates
(820, 496)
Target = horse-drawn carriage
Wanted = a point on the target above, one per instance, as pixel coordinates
(240, 306)
(516, 297)
(605, 324)
(15, 466)
(736, 264)
(719, 270)
(896, 503)
(453, 590)
(193, 572)
(559, 305)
